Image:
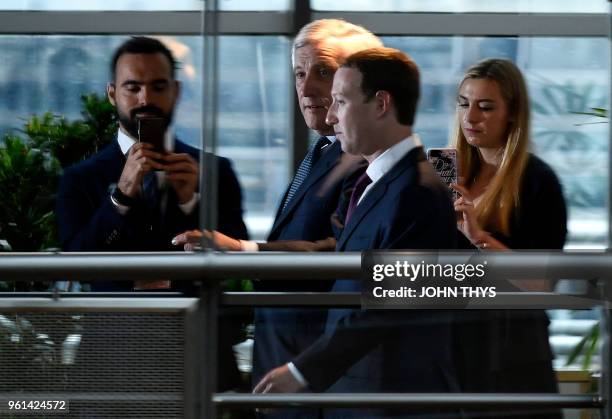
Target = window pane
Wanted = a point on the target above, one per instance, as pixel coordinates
(461, 6)
(49, 73)
(255, 89)
(141, 5)
(560, 86)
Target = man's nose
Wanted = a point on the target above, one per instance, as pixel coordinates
(331, 118)
(144, 96)
(309, 85)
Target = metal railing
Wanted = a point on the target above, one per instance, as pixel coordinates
(212, 267)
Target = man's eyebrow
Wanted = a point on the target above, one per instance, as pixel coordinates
(326, 63)
(131, 82)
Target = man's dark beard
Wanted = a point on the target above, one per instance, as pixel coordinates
(130, 123)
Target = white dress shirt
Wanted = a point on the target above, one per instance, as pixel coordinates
(389, 158)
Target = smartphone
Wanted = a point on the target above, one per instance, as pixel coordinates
(152, 130)
(444, 161)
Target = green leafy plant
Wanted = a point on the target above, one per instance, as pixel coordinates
(586, 347)
(31, 161)
(597, 112)
(28, 180)
(73, 141)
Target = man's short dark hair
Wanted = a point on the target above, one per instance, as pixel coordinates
(390, 70)
(143, 45)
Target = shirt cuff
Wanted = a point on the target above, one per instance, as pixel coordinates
(188, 206)
(121, 209)
(249, 246)
(297, 374)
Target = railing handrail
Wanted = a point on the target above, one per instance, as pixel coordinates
(91, 301)
(270, 265)
(456, 400)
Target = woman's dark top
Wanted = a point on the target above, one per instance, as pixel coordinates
(508, 350)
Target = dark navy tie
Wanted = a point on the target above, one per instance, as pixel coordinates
(302, 172)
(360, 186)
(151, 193)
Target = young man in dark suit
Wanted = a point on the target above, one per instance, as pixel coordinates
(129, 197)
(398, 203)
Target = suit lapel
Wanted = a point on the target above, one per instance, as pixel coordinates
(111, 161)
(327, 161)
(369, 202)
(374, 196)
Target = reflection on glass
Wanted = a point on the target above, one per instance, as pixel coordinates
(465, 6)
(560, 86)
(50, 73)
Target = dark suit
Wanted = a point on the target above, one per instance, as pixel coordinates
(88, 221)
(389, 350)
(280, 334)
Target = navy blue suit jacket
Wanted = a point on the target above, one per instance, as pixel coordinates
(280, 334)
(88, 221)
(307, 216)
(389, 350)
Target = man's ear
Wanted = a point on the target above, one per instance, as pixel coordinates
(383, 102)
(110, 93)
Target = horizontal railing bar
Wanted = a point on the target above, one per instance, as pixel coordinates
(90, 294)
(273, 265)
(291, 299)
(523, 300)
(136, 301)
(438, 400)
(94, 304)
(177, 265)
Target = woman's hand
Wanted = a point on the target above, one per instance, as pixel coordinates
(468, 223)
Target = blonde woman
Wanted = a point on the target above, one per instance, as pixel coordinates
(510, 199)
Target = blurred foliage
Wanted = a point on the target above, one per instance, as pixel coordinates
(71, 142)
(563, 117)
(587, 348)
(31, 160)
(596, 112)
(28, 180)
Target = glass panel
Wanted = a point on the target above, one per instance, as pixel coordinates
(141, 5)
(50, 73)
(255, 88)
(561, 85)
(463, 6)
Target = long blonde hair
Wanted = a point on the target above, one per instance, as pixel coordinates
(501, 198)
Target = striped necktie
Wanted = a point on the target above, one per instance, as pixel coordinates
(310, 160)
